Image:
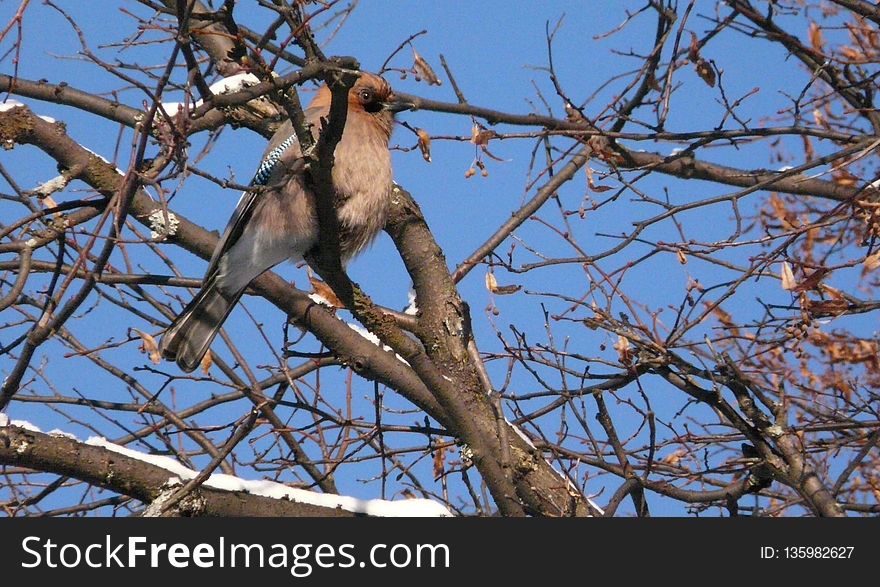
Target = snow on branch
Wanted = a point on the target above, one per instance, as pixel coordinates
(227, 85)
(229, 483)
(370, 507)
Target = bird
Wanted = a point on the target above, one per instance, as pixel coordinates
(279, 220)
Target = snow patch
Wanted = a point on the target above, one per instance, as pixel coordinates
(154, 510)
(466, 453)
(374, 339)
(10, 104)
(101, 158)
(56, 184)
(320, 300)
(24, 424)
(172, 108)
(271, 489)
(162, 226)
(118, 170)
(576, 491)
(227, 85)
(234, 83)
(411, 307)
(521, 434)
(367, 334)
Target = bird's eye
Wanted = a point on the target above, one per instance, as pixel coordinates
(371, 103)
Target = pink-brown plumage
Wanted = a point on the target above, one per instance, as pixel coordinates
(280, 222)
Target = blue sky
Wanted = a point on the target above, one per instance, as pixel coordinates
(497, 50)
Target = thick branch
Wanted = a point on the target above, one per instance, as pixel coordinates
(138, 479)
(444, 327)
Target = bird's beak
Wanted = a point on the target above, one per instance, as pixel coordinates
(395, 105)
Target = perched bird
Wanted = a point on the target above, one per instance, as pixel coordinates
(280, 221)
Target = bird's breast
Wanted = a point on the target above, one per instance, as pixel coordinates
(362, 178)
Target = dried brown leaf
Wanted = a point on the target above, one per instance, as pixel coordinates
(812, 280)
(809, 150)
(694, 48)
(324, 290)
(825, 307)
(501, 290)
(816, 40)
(592, 184)
(491, 282)
(602, 148)
(624, 354)
(871, 263)
(851, 53)
(423, 71)
(675, 457)
(424, 143)
(706, 72)
(652, 82)
(48, 202)
(723, 317)
(149, 346)
(506, 290)
(572, 114)
(845, 179)
(682, 258)
(788, 281)
(207, 362)
(786, 218)
(439, 461)
(833, 292)
(482, 136)
(493, 157)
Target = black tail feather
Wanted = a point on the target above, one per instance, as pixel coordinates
(187, 340)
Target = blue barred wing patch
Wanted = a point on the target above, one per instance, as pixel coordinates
(265, 171)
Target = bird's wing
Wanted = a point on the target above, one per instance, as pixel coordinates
(281, 161)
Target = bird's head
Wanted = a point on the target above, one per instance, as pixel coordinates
(372, 96)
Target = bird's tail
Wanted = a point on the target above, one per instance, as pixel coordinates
(187, 339)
